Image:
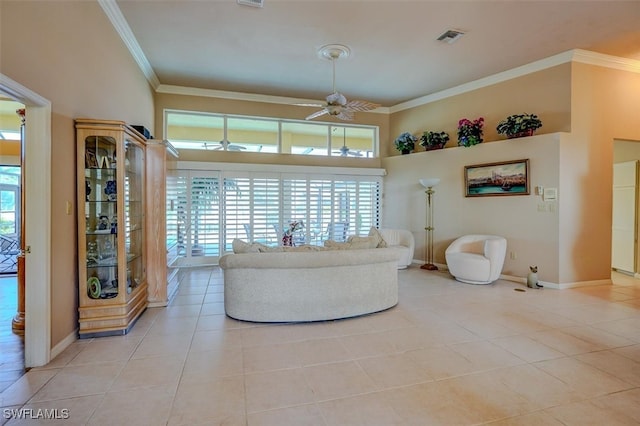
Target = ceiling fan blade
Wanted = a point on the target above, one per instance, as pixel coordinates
(311, 105)
(215, 146)
(361, 105)
(316, 114)
(345, 115)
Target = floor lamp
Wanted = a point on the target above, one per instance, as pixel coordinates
(428, 239)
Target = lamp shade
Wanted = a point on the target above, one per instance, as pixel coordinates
(429, 182)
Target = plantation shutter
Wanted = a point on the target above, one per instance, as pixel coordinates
(207, 210)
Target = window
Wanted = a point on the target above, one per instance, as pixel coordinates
(206, 131)
(215, 207)
(194, 130)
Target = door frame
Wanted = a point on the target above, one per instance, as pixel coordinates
(37, 343)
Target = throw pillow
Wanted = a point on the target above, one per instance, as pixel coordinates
(363, 242)
(335, 245)
(374, 233)
(270, 249)
(240, 246)
(306, 247)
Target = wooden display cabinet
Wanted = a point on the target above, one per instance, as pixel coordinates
(111, 227)
(161, 246)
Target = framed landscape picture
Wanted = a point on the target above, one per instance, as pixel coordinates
(497, 179)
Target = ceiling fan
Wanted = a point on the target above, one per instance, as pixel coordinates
(344, 150)
(221, 145)
(337, 104)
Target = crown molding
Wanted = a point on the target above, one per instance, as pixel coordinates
(121, 26)
(240, 96)
(575, 55)
(607, 61)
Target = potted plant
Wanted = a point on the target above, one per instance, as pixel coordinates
(405, 143)
(519, 125)
(434, 140)
(470, 132)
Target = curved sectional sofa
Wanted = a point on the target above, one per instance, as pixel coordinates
(297, 286)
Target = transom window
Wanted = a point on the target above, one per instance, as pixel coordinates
(223, 132)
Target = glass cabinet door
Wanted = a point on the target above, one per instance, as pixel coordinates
(134, 214)
(101, 216)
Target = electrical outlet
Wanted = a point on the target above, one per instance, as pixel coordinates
(513, 255)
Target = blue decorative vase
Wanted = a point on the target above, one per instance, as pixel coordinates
(110, 190)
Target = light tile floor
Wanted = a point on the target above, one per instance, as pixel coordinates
(448, 353)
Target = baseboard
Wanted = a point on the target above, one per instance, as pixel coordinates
(64, 344)
(557, 286)
(585, 283)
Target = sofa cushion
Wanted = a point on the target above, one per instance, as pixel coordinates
(240, 246)
(348, 245)
(375, 234)
(363, 242)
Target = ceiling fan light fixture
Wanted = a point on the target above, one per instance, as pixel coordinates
(252, 3)
(450, 36)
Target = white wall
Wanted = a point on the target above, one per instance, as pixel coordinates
(531, 234)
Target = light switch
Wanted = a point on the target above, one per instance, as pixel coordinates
(550, 194)
(68, 207)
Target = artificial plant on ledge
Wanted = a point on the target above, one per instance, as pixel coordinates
(470, 132)
(434, 140)
(519, 125)
(405, 143)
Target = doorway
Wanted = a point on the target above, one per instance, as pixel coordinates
(625, 256)
(12, 364)
(37, 343)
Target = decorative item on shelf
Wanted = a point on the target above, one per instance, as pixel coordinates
(470, 132)
(434, 140)
(287, 237)
(92, 253)
(405, 143)
(103, 158)
(94, 288)
(519, 125)
(428, 184)
(110, 190)
(107, 251)
(103, 222)
(87, 189)
(114, 224)
(90, 160)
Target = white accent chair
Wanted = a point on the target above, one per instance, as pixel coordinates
(476, 259)
(402, 242)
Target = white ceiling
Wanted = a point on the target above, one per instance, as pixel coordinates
(221, 45)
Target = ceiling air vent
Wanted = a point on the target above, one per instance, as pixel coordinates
(254, 3)
(450, 36)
